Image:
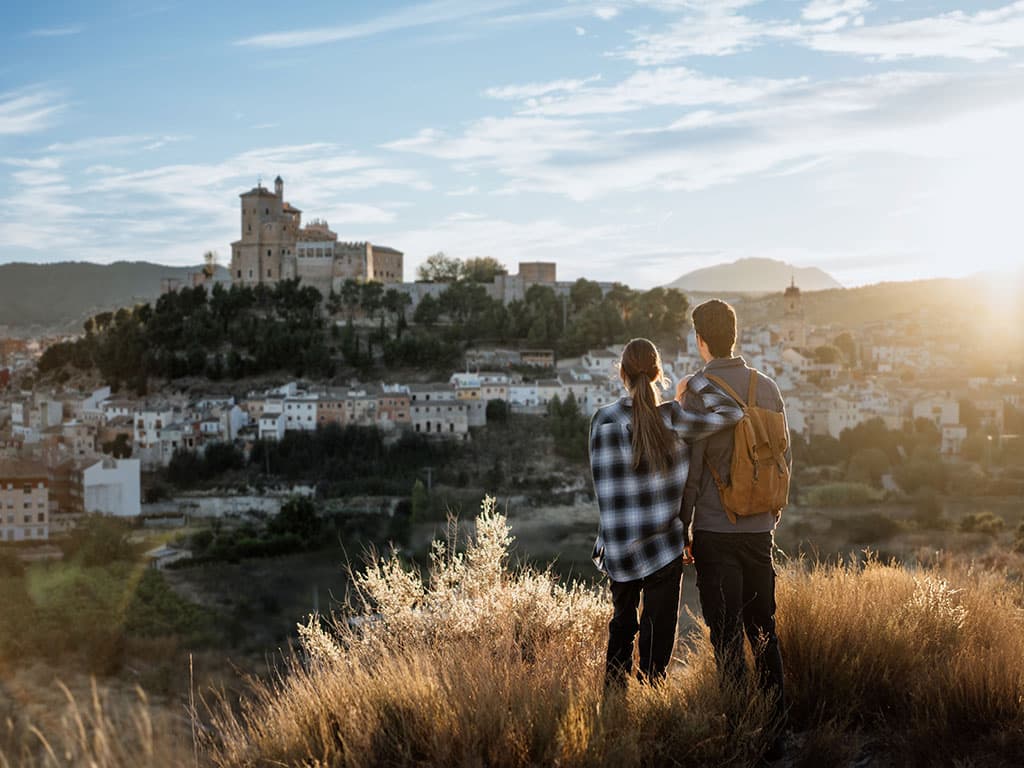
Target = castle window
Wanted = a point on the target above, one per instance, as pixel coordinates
(239, 274)
(268, 273)
(266, 211)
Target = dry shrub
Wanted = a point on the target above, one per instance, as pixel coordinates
(477, 665)
(937, 670)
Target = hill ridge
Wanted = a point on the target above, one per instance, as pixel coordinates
(60, 295)
(754, 274)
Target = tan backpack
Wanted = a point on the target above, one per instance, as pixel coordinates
(759, 473)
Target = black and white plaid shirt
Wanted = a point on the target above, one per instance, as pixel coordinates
(641, 530)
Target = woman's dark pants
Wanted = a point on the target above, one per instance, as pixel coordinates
(657, 624)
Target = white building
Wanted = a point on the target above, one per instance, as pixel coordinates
(953, 436)
(45, 414)
(149, 424)
(494, 386)
(548, 390)
(113, 487)
(600, 361)
(24, 501)
(89, 409)
(113, 409)
(448, 417)
(271, 426)
(523, 396)
(940, 410)
(843, 413)
(300, 412)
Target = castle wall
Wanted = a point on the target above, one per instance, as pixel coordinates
(537, 271)
(274, 247)
(315, 265)
(350, 262)
(385, 265)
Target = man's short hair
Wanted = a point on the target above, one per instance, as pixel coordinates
(715, 322)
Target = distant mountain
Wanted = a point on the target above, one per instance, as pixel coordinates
(960, 300)
(753, 276)
(60, 296)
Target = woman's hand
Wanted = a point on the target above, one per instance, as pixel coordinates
(681, 386)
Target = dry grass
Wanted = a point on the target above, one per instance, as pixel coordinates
(97, 733)
(933, 660)
(477, 664)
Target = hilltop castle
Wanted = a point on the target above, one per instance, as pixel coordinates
(275, 246)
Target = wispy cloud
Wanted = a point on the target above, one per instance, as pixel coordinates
(424, 14)
(704, 29)
(57, 31)
(707, 28)
(823, 10)
(982, 36)
(125, 144)
(533, 90)
(672, 86)
(29, 110)
(501, 142)
(39, 163)
(787, 127)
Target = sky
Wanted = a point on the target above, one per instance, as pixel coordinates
(629, 140)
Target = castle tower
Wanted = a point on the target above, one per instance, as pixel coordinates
(794, 332)
(266, 250)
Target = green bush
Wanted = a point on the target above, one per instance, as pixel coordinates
(298, 516)
(982, 522)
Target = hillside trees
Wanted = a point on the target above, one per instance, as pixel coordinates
(230, 333)
(439, 268)
(569, 427)
(482, 269)
(235, 332)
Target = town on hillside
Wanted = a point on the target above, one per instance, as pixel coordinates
(66, 453)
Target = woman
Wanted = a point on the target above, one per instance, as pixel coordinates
(639, 463)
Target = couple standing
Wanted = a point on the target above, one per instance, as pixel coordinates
(662, 469)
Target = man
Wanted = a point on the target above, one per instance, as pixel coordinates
(733, 557)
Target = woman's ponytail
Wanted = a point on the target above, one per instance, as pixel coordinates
(653, 442)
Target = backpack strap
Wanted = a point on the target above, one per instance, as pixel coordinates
(721, 488)
(752, 390)
(729, 390)
(714, 472)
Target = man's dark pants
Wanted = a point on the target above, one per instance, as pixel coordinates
(736, 584)
(657, 624)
